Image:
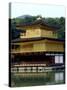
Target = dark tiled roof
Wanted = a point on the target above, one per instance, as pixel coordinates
(36, 22)
(34, 39)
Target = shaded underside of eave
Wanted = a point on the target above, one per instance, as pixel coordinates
(20, 31)
(35, 39)
(38, 53)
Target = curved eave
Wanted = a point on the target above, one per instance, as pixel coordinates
(35, 39)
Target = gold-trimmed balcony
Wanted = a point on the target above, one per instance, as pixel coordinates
(43, 45)
(20, 50)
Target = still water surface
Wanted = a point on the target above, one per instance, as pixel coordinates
(34, 79)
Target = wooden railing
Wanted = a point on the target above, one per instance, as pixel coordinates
(17, 65)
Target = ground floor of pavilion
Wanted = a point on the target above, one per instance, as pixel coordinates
(37, 62)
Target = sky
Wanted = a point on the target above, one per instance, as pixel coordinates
(18, 9)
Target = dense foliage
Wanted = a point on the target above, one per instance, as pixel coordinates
(54, 22)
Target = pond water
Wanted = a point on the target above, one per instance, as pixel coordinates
(36, 79)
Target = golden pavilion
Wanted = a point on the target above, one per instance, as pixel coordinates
(37, 49)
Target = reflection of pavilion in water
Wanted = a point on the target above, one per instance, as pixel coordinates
(37, 49)
(59, 77)
(47, 78)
